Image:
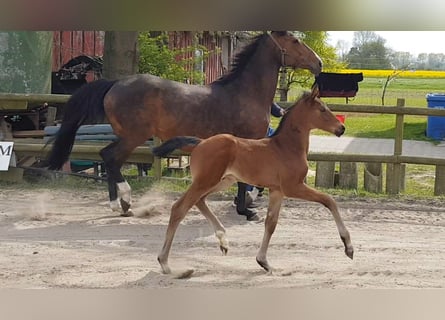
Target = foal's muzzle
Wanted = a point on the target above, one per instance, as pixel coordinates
(340, 131)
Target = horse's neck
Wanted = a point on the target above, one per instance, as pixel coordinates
(259, 78)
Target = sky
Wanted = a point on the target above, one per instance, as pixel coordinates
(414, 42)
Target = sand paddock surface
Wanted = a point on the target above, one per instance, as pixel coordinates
(71, 239)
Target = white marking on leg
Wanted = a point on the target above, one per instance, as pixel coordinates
(124, 191)
(223, 242)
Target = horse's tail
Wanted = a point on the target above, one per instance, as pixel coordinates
(84, 106)
(185, 143)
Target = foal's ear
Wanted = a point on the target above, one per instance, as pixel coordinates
(315, 91)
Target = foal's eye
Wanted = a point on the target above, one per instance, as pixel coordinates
(322, 109)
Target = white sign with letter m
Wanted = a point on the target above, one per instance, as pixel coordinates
(5, 154)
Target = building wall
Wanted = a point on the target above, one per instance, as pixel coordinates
(70, 44)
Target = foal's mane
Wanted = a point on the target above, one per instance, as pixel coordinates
(289, 110)
(240, 60)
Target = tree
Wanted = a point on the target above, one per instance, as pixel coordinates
(179, 64)
(318, 41)
(389, 79)
(368, 52)
(120, 54)
(360, 38)
(400, 59)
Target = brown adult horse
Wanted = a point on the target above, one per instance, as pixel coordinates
(278, 162)
(141, 106)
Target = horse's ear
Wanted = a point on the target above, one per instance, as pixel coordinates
(315, 91)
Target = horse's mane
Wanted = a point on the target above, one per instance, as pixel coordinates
(240, 60)
(288, 111)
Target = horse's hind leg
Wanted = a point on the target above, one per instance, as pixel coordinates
(275, 199)
(114, 155)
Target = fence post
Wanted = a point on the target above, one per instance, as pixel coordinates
(348, 175)
(439, 183)
(373, 181)
(394, 180)
(390, 173)
(324, 175)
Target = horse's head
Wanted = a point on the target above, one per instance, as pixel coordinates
(316, 114)
(321, 116)
(295, 53)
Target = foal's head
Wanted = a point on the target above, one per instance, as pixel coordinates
(295, 53)
(311, 113)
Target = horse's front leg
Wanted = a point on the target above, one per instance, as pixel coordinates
(304, 192)
(275, 199)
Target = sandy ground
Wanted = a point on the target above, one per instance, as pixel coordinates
(66, 239)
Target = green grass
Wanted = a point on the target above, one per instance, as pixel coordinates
(414, 92)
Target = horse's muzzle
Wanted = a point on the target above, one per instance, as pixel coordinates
(339, 132)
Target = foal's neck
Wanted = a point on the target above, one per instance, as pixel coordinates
(294, 140)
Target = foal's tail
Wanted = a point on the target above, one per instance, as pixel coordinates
(185, 143)
(85, 106)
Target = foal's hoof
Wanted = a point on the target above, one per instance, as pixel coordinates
(350, 253)
(264, 264)
(349, 250)
(224, 250)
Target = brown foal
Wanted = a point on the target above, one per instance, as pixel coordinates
(278, 163)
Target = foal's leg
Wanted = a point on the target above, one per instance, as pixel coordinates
(220, 231)
(114, 155)
(304, 192)
(275, 199)
(178, 212)
(195, 195)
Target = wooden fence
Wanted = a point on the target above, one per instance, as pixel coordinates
(143, 154)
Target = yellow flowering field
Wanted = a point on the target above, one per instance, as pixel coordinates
(404, 74)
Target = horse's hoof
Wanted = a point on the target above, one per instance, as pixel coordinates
(350, 253)
(128, 213)
(254, 217)
(250, 214)
(265, 265)
(125, 205)
(224, 250)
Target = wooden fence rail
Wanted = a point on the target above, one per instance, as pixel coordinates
(143, 153)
